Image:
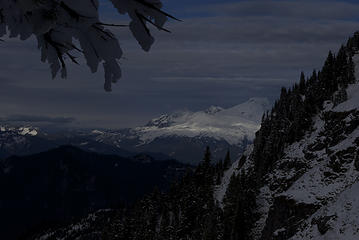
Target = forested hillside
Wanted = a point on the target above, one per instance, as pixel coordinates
(67, 183)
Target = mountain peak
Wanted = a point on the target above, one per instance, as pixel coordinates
(252, 109)
(213, 109)
(259, 101)
(164, 120)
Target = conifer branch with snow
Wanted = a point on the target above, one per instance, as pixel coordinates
(59, 25)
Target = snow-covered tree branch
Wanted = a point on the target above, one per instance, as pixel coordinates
(64, 27)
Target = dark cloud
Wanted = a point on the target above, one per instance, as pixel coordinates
(222, 56)
(304, 9)
(39, 119)
(259, 30)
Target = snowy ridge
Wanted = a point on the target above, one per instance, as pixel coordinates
(220, 190)
(232, 124)
(30, 131)
(318, 175)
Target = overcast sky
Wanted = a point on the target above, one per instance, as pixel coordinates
(223, 53)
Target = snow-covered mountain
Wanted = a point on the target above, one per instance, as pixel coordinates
(184, 135)
(232, 124)
(22, 140)
(20, 131)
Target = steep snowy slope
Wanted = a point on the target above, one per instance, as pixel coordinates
(331, 184)
(311, 191)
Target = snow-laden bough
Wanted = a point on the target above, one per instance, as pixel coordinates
(63, 27)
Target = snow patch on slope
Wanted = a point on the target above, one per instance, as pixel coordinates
(353, 99)
(220, 190)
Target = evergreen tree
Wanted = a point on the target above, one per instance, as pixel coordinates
(220, 167)
(207, 157)
(218, 178)
(353, 44)
(229, 208)
(227, 160)
(58, 26)
(351, 70)
(245, 209)
(340, 96)
(302, 83)
(239, 207)
(328, 81)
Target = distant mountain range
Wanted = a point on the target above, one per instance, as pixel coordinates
(181, 135)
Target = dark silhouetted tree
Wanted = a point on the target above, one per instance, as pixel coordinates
(66, 28)
(227, 161)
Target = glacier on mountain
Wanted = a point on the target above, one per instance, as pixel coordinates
(232, 124)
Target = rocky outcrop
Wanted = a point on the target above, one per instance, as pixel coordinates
(356, 161)
(309, 178)
(284, 218)
(323, 223)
